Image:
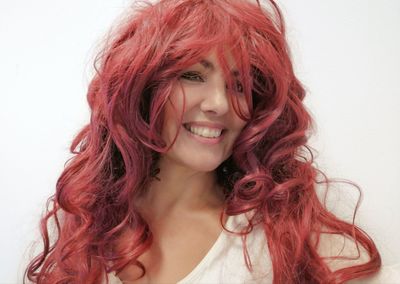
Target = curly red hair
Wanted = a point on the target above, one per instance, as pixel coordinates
(271, 170)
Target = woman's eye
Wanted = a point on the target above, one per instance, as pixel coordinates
(192, 76)
(239, 87)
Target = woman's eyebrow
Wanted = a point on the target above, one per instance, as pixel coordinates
(208, 65)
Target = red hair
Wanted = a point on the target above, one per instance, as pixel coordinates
(271, 170)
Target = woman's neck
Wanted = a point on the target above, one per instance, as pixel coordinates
(181, 189)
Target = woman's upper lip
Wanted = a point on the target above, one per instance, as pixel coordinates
(213, 125)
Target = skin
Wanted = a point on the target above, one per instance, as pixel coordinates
(187, 175)
(183, 208)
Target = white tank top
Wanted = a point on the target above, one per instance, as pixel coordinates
(225, 261)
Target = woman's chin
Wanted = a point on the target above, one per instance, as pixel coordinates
(204, 167)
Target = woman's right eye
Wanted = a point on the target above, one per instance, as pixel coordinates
(192, 76)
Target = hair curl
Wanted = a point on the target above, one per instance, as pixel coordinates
(270, 171)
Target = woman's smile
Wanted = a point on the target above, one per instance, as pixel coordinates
(205, 135)
(211, 125)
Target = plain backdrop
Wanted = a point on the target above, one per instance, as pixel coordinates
(346, 53)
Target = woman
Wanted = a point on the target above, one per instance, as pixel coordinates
(194, 167)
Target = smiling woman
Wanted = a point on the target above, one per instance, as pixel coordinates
(195, 166)
(209, 125)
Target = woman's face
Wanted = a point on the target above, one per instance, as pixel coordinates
(210, 124)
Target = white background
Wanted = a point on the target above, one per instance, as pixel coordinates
(345, 52)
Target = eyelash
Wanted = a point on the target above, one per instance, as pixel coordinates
(192, 76)
(239, 87)
(195, 76)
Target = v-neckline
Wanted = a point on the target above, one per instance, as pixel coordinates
(209, 255)
(215, 248)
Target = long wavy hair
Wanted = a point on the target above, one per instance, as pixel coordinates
(270, 172)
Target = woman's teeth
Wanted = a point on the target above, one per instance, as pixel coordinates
(204, 131)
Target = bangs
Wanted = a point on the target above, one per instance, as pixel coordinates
(172, 35)
(242, 29)
(192, 32)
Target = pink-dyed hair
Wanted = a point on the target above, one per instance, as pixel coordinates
(270, 171)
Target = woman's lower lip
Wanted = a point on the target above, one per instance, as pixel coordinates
(205, 140)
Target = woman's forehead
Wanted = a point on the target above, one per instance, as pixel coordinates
(211, 62)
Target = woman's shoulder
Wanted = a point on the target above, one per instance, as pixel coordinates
(389, 274)
(342, 251)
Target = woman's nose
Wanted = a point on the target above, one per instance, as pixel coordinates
(215, 100)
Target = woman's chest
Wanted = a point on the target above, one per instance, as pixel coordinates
(174, 253)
